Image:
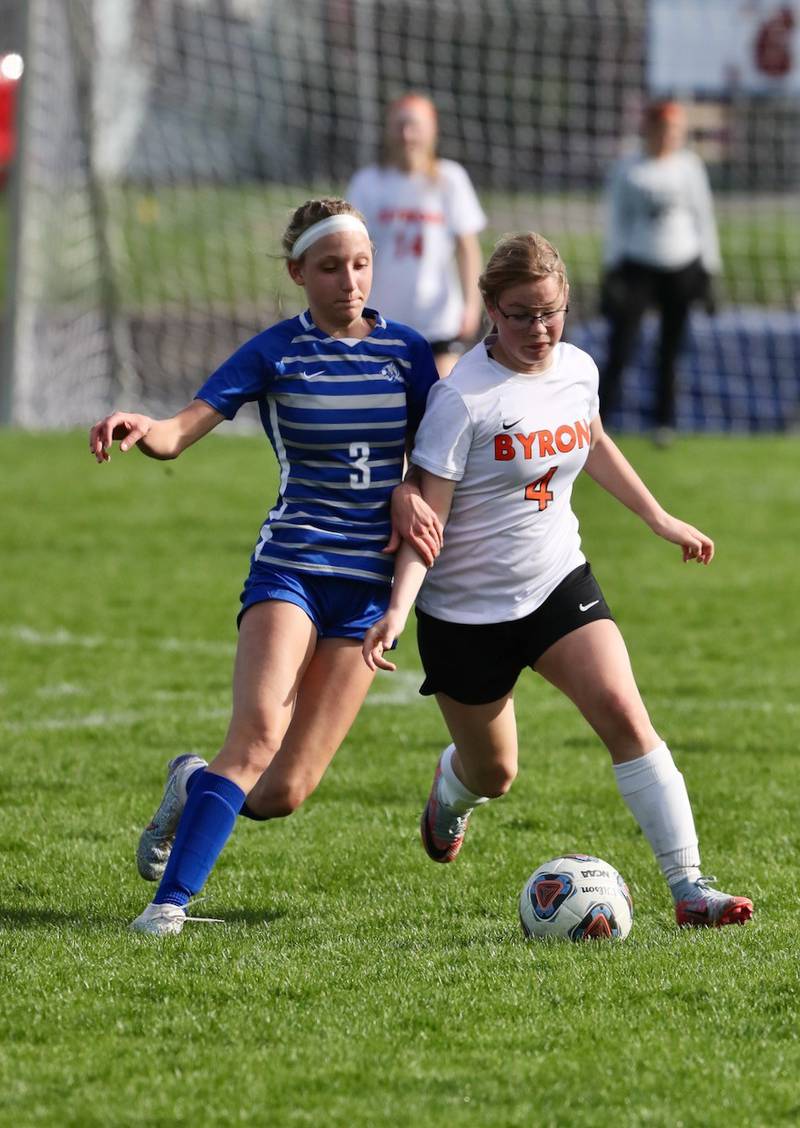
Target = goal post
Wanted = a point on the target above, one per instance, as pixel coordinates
(164, 144)
(64, 326)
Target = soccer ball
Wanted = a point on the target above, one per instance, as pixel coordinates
(576, 897)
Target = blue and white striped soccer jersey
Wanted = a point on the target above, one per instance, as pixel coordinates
(337, 412)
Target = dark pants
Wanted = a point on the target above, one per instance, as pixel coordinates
(629, 290)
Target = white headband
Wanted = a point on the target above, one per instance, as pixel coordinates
(326, 227)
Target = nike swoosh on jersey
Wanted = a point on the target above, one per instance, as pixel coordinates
(586, 606)
(508, 426)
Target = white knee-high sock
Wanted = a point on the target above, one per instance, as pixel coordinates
(452, 791)
(655, 793)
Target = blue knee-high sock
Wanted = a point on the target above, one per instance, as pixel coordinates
(192, 780)
(206, 824)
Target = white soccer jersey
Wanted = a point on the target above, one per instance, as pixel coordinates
(514, 443)
(413, 219)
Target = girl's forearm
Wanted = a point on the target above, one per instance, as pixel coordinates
(409, 573)
(609, 467)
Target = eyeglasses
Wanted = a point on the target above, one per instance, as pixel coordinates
(526, 320)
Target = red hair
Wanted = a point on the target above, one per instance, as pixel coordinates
(658, 112)
(412, 98)
(425, 107)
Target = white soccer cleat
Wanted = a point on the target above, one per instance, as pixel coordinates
(442, 829)
(160, 920)
(155, 843)
(699, 905)
(166, 920)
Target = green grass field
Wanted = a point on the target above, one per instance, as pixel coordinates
(220, 246)
(227, 241)
(354, 983)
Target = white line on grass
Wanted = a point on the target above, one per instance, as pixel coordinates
(98, 720)
(62, 637)
(405, 696)
(60, 689)
(721, 704)
(403, 692)
(399, 688)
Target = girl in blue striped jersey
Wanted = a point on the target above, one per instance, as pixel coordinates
(340, 392)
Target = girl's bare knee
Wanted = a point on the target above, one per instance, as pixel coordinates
(249, 749)
(626, 724)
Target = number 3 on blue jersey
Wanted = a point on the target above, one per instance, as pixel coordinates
(359, 453)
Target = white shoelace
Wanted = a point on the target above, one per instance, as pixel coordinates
(202, 920)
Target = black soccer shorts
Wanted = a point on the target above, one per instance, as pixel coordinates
(475, 663)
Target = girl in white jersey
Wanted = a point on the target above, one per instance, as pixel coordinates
(424, 216)
(661, 249)
(500, 445)
(339, 391)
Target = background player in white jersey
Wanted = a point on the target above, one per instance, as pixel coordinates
(340, 391)
(424, 217)
(661, 249)
(500, 446)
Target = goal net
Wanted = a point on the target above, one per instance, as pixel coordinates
(163, 144)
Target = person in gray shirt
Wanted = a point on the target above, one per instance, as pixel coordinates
(660, 250)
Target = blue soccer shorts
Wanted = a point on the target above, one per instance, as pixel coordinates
(338, 608)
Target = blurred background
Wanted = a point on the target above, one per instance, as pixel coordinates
(152, 150)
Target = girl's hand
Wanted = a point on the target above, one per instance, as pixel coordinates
(382, 636)
(414, 521)
(470, 322)
(125, 426)
(694, 544)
